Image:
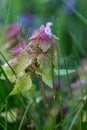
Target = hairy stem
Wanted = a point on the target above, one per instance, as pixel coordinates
(44, 95)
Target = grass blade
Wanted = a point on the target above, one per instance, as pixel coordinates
(6, 22)
(22, 120)
(75, 118)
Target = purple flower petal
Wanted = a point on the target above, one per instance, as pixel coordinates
(47, 29)
(22, 44)
(12, 30)
(19, 48)
(43, 37)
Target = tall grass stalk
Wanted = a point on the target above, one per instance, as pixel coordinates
(6, 22)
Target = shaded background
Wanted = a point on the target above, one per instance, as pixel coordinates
(68, 25)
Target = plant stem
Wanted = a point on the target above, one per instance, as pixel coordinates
(44, 95)
(22, 120)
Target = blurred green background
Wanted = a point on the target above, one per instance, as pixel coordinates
(66, 15)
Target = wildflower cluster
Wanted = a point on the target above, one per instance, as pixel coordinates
(35, 58)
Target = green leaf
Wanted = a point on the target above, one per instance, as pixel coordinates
(45, 69)
(23, 63)
(25, 60)
(63, 72)
(47, 78)
(9, 73)
(11, 115)
(23, 85)
(47, 74)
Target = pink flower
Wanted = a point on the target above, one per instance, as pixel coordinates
(12, 36)
(43, 37)
(19, 48)
(12, 31)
